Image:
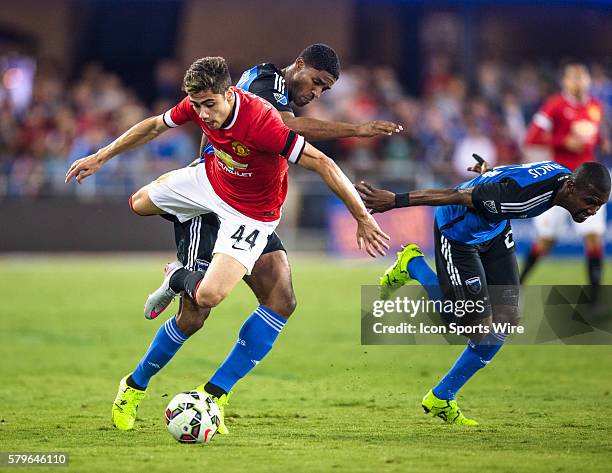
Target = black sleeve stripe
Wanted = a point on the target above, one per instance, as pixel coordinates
(288, 144)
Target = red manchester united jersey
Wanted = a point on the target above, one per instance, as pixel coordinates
(562, 116)
(250, 169)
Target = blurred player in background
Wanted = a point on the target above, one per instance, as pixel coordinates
(570, 124)
(475, 253)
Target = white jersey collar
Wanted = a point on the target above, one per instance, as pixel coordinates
(236, 110)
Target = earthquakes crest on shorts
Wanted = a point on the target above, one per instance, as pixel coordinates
(474, 285)
(240, 149)
(201, 265)
(490, 206)
(280, 98)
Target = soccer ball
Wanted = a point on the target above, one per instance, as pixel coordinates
(192, 417)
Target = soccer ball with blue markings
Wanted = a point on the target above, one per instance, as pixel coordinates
(192, 417)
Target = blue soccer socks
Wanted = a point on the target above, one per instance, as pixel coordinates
(166, 343)
(419, 269)
(473, 358)
(255, 340)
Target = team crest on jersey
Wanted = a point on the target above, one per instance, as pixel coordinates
(594, 113)
(490, 206)
(240, 149)
(280, 98)
(473, 285)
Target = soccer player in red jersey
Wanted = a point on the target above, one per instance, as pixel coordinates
(569, 123)
(245, 187)
(315, 70)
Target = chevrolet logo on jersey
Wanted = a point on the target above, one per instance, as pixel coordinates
(228, 160)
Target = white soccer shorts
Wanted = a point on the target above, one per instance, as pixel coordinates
(554, 222)
(187, 193)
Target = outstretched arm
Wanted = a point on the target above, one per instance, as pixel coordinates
(139, 134)
(314, 129)
(369, 234)
(380, 200)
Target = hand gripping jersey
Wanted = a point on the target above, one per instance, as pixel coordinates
(499, 195)
(561, 116)
(250, 169)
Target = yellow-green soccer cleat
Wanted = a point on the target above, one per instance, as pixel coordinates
(448, 411)
(221, 403)
(397, 275)
(125, 405)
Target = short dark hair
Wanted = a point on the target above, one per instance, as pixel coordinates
(207, 73)
(323, 58)
(592, 176)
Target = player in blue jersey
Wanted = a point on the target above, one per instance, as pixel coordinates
(475, 255)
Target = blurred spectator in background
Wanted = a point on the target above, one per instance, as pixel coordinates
(474, 141)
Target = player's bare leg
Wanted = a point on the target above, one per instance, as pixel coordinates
(221, 277)
(141, 203)
(207, 289)
(270, 280)
(190, 317)
(539, 249)
(271, 283)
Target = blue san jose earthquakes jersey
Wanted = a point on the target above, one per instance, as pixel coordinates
(501, 194)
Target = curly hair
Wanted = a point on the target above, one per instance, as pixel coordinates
(323, 58)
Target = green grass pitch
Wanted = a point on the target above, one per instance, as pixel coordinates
(71, 328)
